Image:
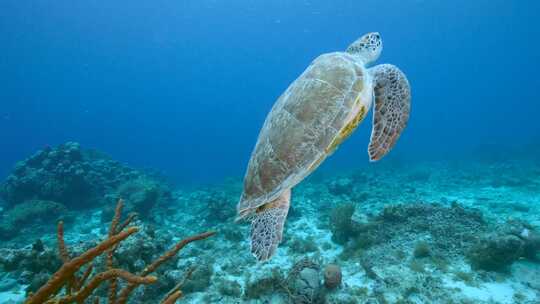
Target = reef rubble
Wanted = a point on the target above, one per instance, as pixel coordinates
(422, 233)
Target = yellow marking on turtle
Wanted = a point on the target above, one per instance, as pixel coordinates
(264, 207)
(347, 130)
(343, 134)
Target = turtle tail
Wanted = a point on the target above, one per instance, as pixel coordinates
(267, 226)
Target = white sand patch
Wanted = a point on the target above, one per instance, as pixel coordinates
(307, 227)
(528, 273)
(8, 297)
(498, 292)
(354, 279)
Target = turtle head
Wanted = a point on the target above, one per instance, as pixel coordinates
(367, 47)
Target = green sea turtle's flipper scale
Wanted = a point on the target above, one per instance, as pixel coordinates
(392, 107)
(267, 226)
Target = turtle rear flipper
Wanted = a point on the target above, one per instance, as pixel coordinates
(267, 226)
(392, 107)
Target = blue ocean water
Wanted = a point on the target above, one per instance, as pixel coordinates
(181, 88)
(184, 86)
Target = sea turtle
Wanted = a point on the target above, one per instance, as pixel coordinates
(307, 123)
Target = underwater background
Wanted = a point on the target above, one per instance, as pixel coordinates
(160, 103)
(185, 86)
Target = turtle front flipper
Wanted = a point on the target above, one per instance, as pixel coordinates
(392, 107)
(267, 226)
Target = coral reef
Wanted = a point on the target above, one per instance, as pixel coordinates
(303, 283)
(448, 234)
(509, 242)
(303, 245)
(220, 206)
(230, 288)
(456, 229)
(341, 186)
(496, 252)
(200, 279)
(259, 285)
(141, 195)
(78, 288)
(54, 181)
(216, 204)
(66, 174)
(421, 250)
(29, 213)
(29, 264)
(341, 224)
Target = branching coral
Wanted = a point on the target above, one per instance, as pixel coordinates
(77, 290)
(124, 294)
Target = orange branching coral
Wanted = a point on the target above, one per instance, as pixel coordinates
(171, 299)
(85, 292)
(174, 294)
(64, 254)
(110, 252)
(77, 290)
(125, 223)
(68, 270)
(124, 294)
(62, 250)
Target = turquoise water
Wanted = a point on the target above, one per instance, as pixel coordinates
(161, 104)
